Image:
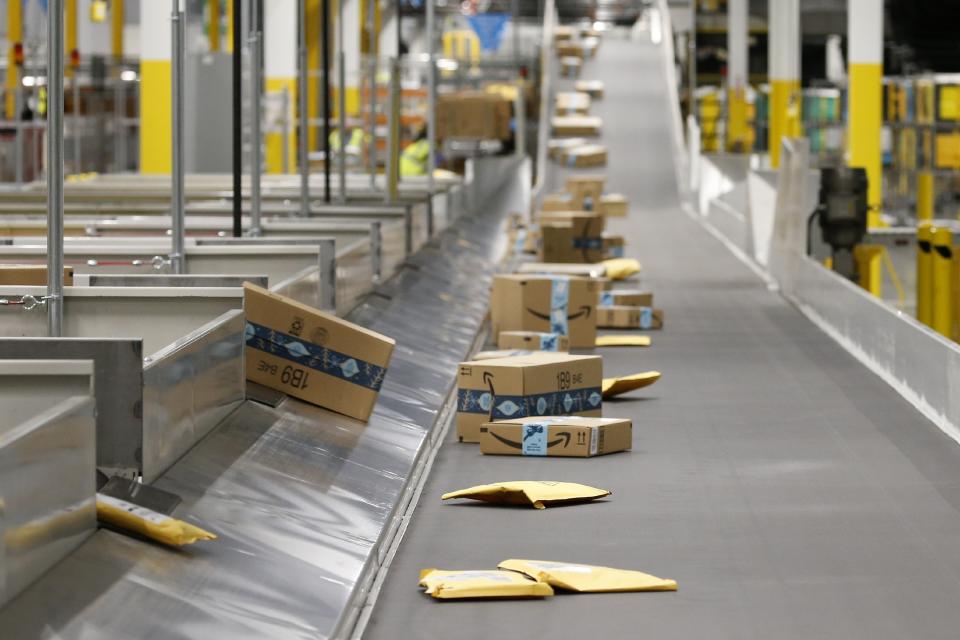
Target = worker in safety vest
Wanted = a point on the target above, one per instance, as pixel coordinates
(413, 160)
(356, 145)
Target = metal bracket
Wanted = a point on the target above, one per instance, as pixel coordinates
(28, 302)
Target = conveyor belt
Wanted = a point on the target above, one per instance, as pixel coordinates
(789, 491)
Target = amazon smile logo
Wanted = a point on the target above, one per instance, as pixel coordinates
(562, 436)
(583, 312)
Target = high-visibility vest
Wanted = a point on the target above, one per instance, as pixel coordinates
(413, 160)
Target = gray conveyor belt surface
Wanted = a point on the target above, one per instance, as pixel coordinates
(788, 490)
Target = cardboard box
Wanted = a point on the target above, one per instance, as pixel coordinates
(593, 88)
(540, 384)
(312, 355)
(29, 275)
(533, 341)
(473, 115)
(586, 191)
(562, 32)
(566, 436)
(623, 317)
(613, 245)
(593, 271)
(570, 49)
(570, 66)
(557, 147)
(558, 202)
(613, 205)
(554, 304)
(571, 236)
(626, 298)
(589, 155)
(571, 103)
(585, 126)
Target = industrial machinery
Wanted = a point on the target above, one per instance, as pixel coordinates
(842, 213)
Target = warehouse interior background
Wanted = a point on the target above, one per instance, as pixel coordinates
(520, 318)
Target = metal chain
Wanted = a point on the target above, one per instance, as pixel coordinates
(28, 302)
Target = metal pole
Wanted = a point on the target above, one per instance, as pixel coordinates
(374, 48)
(520, 141)
(328, 275)
(119, 112)
(376, 250)
(237, 120)
(176, 96)
(18, 136)
(55, 168)
(515, 26)
(326, 100)
(431, 96)
(304, 130)
(393, 135)
(285, 129)
(342, 103)
(256, 85)
(77, 137)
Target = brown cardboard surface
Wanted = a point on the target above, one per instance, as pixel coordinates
(570, 66)
(308, 352)
(586, 189)
(590, 155)
(557, 146)
(585, 126)
(627, 298)
(523, 303)
(613, 245)
(29, 275)
(592, 87)
(571, 236)
(624, 317)
(473, 114)
(558, 202)
(570, 103)
(595, 271)
(533, 341)
(541, 383)
(613, 205)
(567, 436)
(574, 49)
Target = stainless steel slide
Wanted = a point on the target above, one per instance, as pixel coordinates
(789, 491)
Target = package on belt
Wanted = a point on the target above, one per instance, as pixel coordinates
(557, 146)
(627, 298)
(570, 66)
(556, 304)
(624, 317)
(584, 126)
(594, 88)
(533, 341)
(586, 191)
(585, 578)
(539, 494)
(570, 103)
(490, 583)
(540, 384)
(584, 156)
(312, 355)
(30, 275)
(613, 205)
(614, 245)
(559, 436)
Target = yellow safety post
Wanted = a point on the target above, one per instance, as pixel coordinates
(925, 195)
(70, 35)
(942, 319)
(865, 35)
(925, 273)
(784, 72)
(869, 259)
(117, 19)
(14, 55)
(213, 26)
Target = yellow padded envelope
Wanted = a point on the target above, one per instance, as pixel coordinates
(539, 494)
(585, 578)
(623, 341)
(148, 523)
(493, 583)
(616, 386)
(621, 268)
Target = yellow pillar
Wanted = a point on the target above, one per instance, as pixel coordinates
(14, 55)
(738, 134)
(865, 30)
(784, 72)
(942, 305)
(155, 78)
(314, 61)
(925, 273)
(117, 18)
(869, 258)
(213, 26)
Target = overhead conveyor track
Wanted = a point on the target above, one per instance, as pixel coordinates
(789, 491)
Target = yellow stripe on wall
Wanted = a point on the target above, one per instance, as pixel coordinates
(274, 140)
(866, 115)
(155, 115)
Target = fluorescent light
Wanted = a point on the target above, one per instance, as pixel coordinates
(128, 75)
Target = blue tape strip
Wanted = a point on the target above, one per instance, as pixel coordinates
(606, 299)
(549, 341)
(588, 243)
(646, 318)
(554, 403)
(559, 301)
(322, 359)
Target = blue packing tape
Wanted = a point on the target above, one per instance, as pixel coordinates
(553, 403)
(559, 302)
(322, 359)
